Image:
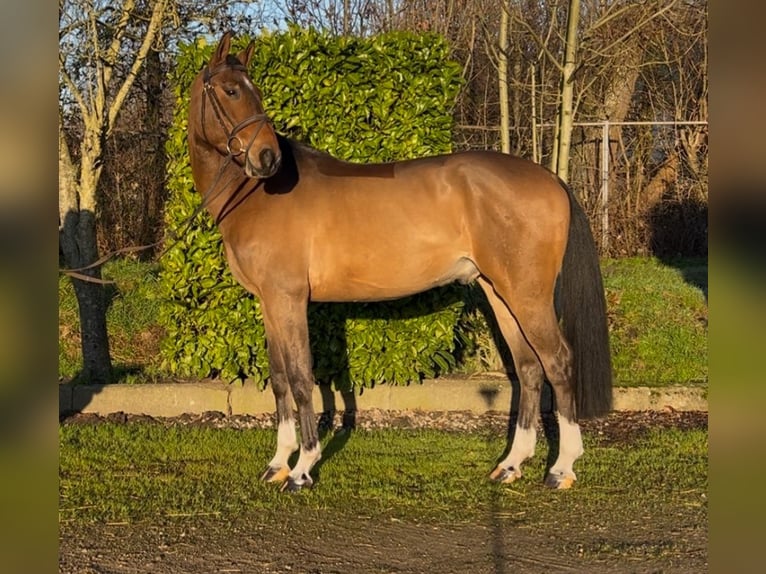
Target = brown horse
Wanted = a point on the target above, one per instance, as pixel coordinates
(300, 225)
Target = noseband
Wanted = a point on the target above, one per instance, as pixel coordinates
(227, 124)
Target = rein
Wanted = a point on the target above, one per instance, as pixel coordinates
(223, 118)
(208, 197)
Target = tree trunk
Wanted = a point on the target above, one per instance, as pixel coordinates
(78, 248)
(617, 94)
(92, 304)
(516, 105)
(662, 182)
(346, 17)
(566, 115)
(155, 193)
(502, 77)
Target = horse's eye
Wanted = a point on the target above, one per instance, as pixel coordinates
(231, 92)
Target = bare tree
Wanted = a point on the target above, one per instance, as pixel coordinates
(96, 74)
(502, 77)
(676, 88)
(339, 17)
(560, 163)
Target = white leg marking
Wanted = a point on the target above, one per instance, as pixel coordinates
(570, 448)
(300, 474)
(287, 444)
(523, 447)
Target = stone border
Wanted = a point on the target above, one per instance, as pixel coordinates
(476, 394)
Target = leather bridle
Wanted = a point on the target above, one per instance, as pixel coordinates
(229, 127)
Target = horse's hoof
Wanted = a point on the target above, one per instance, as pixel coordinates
(505, 475)
(296, 485)
(559, 481)
(275, 474)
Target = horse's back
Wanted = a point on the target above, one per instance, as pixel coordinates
(439, 186)
(388, 230)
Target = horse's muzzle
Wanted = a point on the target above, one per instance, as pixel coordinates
(269, 164)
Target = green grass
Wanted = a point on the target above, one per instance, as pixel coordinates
(131, 320)
(657, 314)
(658, 321)
(144, 471)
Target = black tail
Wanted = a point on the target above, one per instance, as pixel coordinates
(583, 312)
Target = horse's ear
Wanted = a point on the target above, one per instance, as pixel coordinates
(222, 50)
(245, 55)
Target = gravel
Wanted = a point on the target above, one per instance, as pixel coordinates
(617, 427)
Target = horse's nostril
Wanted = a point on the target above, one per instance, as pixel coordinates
(267, 159)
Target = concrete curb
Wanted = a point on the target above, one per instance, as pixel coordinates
(478, 395)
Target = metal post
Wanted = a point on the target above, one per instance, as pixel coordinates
(605, 187)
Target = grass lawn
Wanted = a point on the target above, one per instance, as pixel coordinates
(145, 471)
(658, 319)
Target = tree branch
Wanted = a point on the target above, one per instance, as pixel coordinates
(118, 33)
(158, 13)
(542, 45)
(609, 16)
(96, 100)
(76, 94)
(607, 51)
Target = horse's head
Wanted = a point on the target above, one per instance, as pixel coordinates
(226, 112)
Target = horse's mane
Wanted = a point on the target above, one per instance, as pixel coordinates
(303, 149)
(328, 164)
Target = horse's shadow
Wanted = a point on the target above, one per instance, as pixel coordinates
(329, 346)
(340, 434)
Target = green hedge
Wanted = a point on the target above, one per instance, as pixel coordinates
(375, 99)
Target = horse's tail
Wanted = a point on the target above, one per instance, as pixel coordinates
(583, 311)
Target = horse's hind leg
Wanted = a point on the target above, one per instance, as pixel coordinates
(541, 329)
(290, 363)
(531, 304)
(279, 468)
(530, 373)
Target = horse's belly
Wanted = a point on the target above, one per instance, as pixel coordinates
(390, 280)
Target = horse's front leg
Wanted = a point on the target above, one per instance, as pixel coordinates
(286, 323)
(302, 385)
(287, 443)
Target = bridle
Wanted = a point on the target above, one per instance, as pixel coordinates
(229, 127)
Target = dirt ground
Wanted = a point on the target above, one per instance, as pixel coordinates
(319, 542)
